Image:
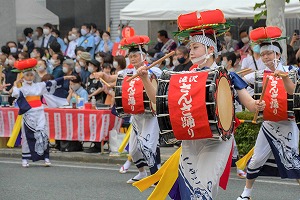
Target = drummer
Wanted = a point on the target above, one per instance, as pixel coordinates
(203, 161)
(143, 141)
(278, 138)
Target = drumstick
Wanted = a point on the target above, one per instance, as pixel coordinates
(281, 75)
(1, 68)
(106, 83)
(244, 70)
(153, 64)
(261, 98)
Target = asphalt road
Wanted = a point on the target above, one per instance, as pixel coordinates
(72, 181)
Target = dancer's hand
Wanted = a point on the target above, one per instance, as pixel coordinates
(260, 106)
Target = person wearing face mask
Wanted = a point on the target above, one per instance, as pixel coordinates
(87, 40)
(38, 37)
(94, 86)
(37, 53)
(244, 44)
(35, 142)
(9, 74)
(76, 90)
(144, 126)
(278, 136)
(253, 59)
(70, 52)
(56, 62)
(63, 45)
(165, 44)
(182, 61)
(84, 57)
(68, 70)
(41, 70)
(106, 44)
(12, 46)
(29, 44)
(230, 44)
(206, 154)
(48, 37)
(98, 39)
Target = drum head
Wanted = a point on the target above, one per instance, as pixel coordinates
(224, 105)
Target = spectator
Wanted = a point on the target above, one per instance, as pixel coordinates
(291, 56)
(56, 62)
(119, 63)
(106, 44)
(48, 37)
(10, 76)
(37, 53)
(78, 51)
(230, 44)
(228, 61)
(119, 32)
(12, 46)
(107, 68)
(253, 59)
(41, 70)
(54, 48)
(182, 54)
(5, 50)
(84, 57)
(98, 39)
(23, 56)
(94, 86)
(29, 44)
(76, 90)
(68, 69)
(165, 44)
(77, 68)
(39, 37)
(244, 44)
(60, 41)
(72, 45)
(87, 40)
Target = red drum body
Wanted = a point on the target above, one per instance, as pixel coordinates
(195, 105)
(279, 104)
(131, 98)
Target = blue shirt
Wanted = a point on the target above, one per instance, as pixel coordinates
(58, 72)
(101, 46)
(87, 41)
(82, 93)
(84, 74)
(63, 46)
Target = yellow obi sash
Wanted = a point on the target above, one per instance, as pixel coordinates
(34, 101)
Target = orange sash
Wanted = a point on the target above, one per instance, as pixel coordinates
(34, 101)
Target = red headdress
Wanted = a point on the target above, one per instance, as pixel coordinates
(25, 65)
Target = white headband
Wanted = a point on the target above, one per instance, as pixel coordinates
(204, 40)
(270, 47)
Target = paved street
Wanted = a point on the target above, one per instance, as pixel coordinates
(71, 180)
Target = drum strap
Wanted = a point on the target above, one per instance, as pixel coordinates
(255, 63)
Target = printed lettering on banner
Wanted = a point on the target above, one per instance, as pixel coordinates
(1, 125)
(118, 123)
(81, 136)
(104, 127)
(132, 96)
(69, 126)
(57, 124)
(47, 126)
(276, 99)
(11, 120)
(187, 106)
(93, 126)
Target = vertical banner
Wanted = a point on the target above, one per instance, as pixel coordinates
(69, 126)
(57, 124)
(93, 126)
(80, 129)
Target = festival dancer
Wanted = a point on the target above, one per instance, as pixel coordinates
(143, 140)
(278, 135)
(202, 161)
(35, 143)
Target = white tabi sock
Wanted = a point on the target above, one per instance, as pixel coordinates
(141, 175)
(246, 192)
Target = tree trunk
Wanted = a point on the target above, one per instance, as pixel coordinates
(275, 17)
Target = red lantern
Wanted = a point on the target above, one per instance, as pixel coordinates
(25, 64)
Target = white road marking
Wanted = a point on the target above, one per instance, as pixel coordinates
(113, 168)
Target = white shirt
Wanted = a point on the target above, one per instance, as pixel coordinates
(38, 41)
(47, 37)
(249, 63)
(71, 49)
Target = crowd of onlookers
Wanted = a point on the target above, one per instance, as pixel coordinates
(86, 50)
